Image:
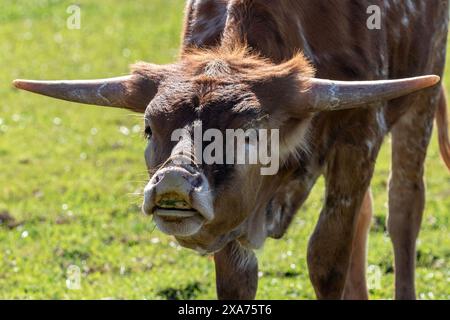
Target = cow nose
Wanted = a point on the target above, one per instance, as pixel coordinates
(173, 187)
(177, 180)
(178, 192)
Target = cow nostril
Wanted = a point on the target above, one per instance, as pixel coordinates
(158, 177)
(197, 181)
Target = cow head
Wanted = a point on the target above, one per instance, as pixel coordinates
(205, 205)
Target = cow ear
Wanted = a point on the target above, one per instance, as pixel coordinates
(279, 86)
(133, 92)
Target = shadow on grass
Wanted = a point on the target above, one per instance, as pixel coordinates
(188, 292)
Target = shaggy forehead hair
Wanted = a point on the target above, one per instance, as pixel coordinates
(238, 72)
(229, 65)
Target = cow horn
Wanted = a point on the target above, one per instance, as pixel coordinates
(103, 92)
(323, 95)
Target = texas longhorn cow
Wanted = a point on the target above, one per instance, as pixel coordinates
(314, 71)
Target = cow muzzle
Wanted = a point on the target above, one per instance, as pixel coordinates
(179, 199)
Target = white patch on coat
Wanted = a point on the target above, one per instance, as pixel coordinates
(405, 21)
(346, 202)
(369, 144)
(381, 121)
(306, 47)
(411, 6)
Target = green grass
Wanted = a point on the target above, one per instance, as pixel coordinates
(68, 172)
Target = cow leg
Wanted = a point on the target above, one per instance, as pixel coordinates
(347, 179)
(236, 273)
(410, 139)
(356, 285)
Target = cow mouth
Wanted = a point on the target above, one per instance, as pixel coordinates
(178, 222)
(172, 207)
(175, 214)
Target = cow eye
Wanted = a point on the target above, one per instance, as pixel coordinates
(148, 132)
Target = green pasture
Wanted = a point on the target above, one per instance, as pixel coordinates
(69, 174)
